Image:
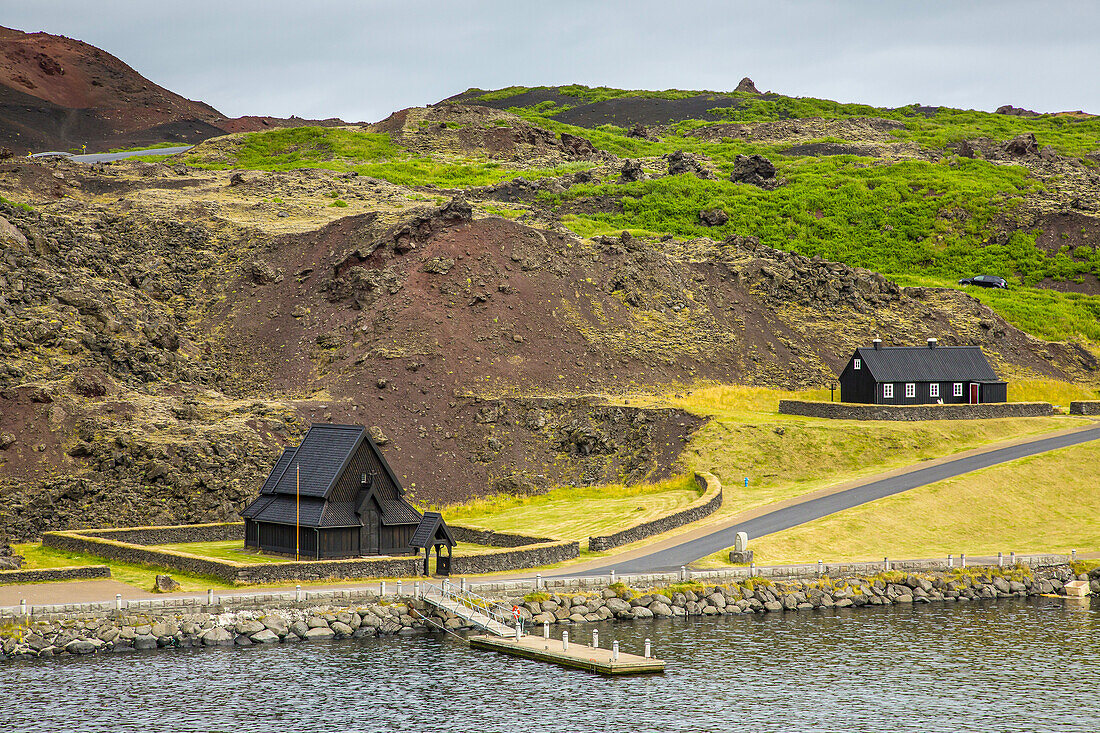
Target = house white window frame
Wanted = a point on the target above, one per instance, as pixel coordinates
(910, 390)
(934, 389)
(887, 391)
(857, 364)
(957, 389)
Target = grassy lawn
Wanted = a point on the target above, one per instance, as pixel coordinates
(1044, 503)
(143, 576)
(235, 551)
(785, 456)
(139, 576)
(575, 513)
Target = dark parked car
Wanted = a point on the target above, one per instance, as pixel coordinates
(985, 281)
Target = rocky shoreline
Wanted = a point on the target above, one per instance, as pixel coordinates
(126, 632)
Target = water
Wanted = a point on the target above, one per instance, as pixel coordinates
(1010, 666)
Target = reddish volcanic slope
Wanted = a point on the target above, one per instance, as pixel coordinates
(58, 93)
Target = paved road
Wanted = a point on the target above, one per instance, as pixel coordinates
(104, 157)
(672, 558)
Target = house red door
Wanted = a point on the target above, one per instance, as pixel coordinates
(975, 393)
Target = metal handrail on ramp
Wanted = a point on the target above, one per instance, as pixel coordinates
(476, 610)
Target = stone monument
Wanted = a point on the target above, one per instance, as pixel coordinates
(741, 553)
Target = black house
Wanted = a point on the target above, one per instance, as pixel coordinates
(920, 375)
(339, 490)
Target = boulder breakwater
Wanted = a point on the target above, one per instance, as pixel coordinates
(295, 622)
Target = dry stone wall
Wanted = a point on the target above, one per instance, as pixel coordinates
(350, 614)
(216, 532)
(855, 411)
(530, 556)
(1084, 407)
(489, 538)
(704, 506)
(82, 572)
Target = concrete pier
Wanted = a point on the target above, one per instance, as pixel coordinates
(578, 656)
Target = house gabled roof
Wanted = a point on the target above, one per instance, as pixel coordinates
(280, 466)
(319, 460)
(299, 485)
(924, 364)
(432, 531)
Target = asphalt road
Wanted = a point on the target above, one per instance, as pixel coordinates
(104, 157)
(672, 558)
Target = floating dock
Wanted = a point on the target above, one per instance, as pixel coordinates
(578, 656)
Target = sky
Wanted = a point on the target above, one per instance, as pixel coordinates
(362, 60)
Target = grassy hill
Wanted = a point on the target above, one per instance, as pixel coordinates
(924, 195)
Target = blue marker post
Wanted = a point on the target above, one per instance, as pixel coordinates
(746, 482)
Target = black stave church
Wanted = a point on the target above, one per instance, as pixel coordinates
(920, 375)
(339, 490)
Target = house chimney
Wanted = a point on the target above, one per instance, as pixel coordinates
(932, 343)
(877, 343)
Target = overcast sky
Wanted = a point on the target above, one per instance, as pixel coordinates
(363, 60)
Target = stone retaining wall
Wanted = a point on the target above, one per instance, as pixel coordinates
(78, 572)
(171, 535)
(80, 541)
(857, 411)
(489, 538)
(228, 571)
(705, 505)
(1084, 407)
(530, 556)
(133, 627)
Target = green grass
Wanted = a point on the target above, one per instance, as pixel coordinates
(907, 219)
(297, 147)
(918, 222)
(507, 212)
(1044, 503)
(366, 153)
(9, 202)
(1049, 390)
(139, 576)
(785, 456)
(232, 550)
(575, 513)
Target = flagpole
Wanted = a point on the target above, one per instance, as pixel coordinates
(297, 507)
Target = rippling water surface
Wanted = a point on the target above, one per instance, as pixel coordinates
(1009, 666)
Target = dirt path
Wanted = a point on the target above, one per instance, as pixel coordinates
(75, 591)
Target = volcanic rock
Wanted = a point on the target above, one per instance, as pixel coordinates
(746, 85)
(166, 584)
(713, 217)
(1008, 109)
(1023, 145)
(577, 146)
(631, 172)
(753, 169)
(680, 162)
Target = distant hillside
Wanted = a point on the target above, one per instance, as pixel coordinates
(58, 93)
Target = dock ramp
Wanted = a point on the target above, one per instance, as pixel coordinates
(489, 616)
